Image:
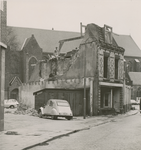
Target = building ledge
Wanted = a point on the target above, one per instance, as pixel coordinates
(106, 111)
(111, 84)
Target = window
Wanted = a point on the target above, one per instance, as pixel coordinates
(48, 103)
(105, 67)
(13, 100)
(107, 99)
(116, 68)
(31, 66)
(51, 103)
(63, 104)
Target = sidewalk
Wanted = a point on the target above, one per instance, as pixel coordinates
(23, 138)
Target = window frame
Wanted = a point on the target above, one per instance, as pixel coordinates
(106, 66)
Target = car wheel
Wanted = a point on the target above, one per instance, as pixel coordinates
(40, 114)
(68, 118)
(53, 117)
(12, 106)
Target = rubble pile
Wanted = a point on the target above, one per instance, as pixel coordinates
(23, 109)
(7, 112)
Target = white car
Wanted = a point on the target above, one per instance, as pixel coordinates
(56, 108)
(10, 103)
(133, 102)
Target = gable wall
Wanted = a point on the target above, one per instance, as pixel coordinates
(86, 59)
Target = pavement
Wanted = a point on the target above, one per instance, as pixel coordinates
(38, 134)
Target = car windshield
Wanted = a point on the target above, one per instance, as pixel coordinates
(13, 100)
(65, 104)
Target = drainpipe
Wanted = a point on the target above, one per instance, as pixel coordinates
(84, 100)
(91, 96)
(124, 86)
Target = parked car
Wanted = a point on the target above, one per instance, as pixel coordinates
(133, 102)
(56, 108)
(10, 103)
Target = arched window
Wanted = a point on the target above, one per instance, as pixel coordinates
(14, 94)
(31, 66)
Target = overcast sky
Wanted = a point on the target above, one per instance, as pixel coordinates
(65, 15)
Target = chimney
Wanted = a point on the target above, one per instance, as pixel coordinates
(108, 34)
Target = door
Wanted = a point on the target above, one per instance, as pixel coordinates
(107, 99)
(48, 107)
(116, 96)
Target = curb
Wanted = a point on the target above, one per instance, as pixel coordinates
(62, 135)
(45, 142)
(132, 114)
(54, 138)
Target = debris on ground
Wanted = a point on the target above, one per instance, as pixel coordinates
(7, 111)
(132, 108)
(23, 110)
(11, 133)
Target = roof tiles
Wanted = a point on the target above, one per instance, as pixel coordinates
(126, 41)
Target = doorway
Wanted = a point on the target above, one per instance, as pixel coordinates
(106, 97)
(14, 94)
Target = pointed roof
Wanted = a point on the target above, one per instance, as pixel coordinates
(25, 43)
(98, 34)
(15, 79)
(135, 77)
(126, 41)
(28, 40)
(47, 39)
